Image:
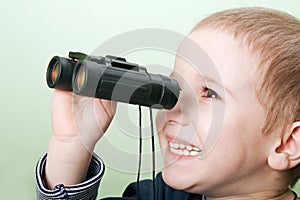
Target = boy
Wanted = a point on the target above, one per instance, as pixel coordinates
(256, 53)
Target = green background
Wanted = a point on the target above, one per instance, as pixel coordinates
(33, 31)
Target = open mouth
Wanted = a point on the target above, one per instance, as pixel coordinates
(184, 149)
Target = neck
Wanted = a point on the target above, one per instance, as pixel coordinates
(286, 195)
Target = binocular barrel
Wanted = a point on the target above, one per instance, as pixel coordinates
(112, 78)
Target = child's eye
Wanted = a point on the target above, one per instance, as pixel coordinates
(209, 93)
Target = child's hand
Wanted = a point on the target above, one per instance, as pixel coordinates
(77, 124)
(80, 120)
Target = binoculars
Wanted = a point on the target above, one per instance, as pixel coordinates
(112, 78)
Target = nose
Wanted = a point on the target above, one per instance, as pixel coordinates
(171, 117)
(180, 113)
(175, 115)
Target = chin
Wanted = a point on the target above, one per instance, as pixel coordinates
(172, 180)
(178, 180)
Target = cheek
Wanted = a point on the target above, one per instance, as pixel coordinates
(245, 123)
(209, 122)
(241, 140)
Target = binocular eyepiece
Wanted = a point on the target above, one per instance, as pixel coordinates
(112, 78)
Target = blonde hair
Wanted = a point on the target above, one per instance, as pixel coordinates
(274, 37)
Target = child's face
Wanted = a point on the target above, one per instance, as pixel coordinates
(239, 159)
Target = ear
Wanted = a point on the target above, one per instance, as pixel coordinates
(286, 154)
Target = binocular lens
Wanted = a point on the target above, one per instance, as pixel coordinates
(55, 72)
(80, 78)
(59, 73)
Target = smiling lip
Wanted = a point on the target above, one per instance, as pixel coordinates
(181, 149)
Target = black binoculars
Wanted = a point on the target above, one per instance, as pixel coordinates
(112, 78)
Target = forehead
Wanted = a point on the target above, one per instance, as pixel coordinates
(233, 63)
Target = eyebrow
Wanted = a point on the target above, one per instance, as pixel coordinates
(208, 79)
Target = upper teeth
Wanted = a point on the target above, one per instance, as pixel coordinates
(183, 149)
